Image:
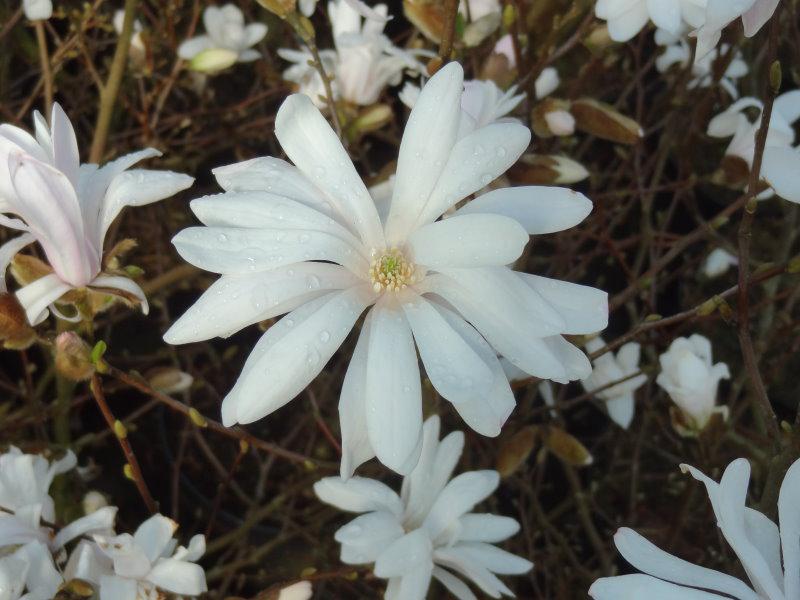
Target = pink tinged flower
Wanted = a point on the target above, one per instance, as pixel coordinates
(758, 543)
(225, 30)
(129, 567)
(428, 531)
(691, 380)
(607, 369)
(67, 207)
(307, 240)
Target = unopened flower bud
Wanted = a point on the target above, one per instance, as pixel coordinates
(604, 121)
(552, 117)
(279, 7)
(93, 501)
(73, 357)
(547, 169)
(169, 380)
(213, 60)
(15, 333)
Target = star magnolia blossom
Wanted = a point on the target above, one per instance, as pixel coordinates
(678, 52)
(609, 368)
(442, 284)
(225, 30)
(25, 541)
(36, 10)
(690, 379)
(427, 531)
(734, 122)
(67, 208)
(364, 62)
(757, 541)
(719, 13)
(139, 566)
(718, 262)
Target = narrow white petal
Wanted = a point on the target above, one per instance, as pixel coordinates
(454, 585)
(37, 296)
(459, 497)
(456, 371)
(644, 587)
(313, 147)
(666, 14)
(788, 501)
(292, 353)
(393, 395)
(100, 521)
(781, 169)
(65, 144)
(364, 538)
(475, 161)
(650, 559)
(538, 209)
(154, 535)
(236, 301)
(583, 308)
(468, 241)
(178, 577)
(117, 282)
(456, 560)
(232, 250)
(484, 527)
(358, 494)
(356, 447)
(495, 559)
(428, 139)
(7, 253)
(117, 588)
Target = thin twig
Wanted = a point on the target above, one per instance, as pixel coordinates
(448, 30)
(96, 387)
(47, 72)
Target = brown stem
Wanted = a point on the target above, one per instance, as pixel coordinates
(96, 387)
(448, 30)
(47, 72)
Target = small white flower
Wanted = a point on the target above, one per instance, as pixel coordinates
(297, 591)
(24, 491)
(225, 30)
(755, 539)
(427, 531)
(719, 13)
(364, 62)
(268, 232)
(138, 566)
(678, 52)
(137, 43)
(780, 135)
(718, 262)
(691, 380)
(36, 10)
(505, 47)
(67, 208)
(609, 368)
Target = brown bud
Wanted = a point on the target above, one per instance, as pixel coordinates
(428, 17)
(547, 169)
(567, 447)
(15, 333)
(279, 7)
(73, 357)
(605, 122)
(515, 451)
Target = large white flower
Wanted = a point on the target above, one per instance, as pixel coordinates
(364, 62)
(609, 368)
(67, 208)
(719, 13)
(427, 531)
(136, 567)
(691, 380)
(770, 556)
(26, 515)
(225, 30)
(308, 239)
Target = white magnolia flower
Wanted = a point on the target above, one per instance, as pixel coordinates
(626, 18)
(67, 208)
(609, 368)
(427, 531)
(138, 566)
(734, 122)
(719, 13)
(36, 10)
(770, 556)
(364, 62)
(718, 262)
(781, 169)
(225, 30)
(691, 380)
(442, 285)
(137, 43)
(26, 512)
(678, 52)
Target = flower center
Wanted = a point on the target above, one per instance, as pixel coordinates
(390, 270)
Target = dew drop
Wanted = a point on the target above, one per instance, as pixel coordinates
(313, 282)
(324, 336)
